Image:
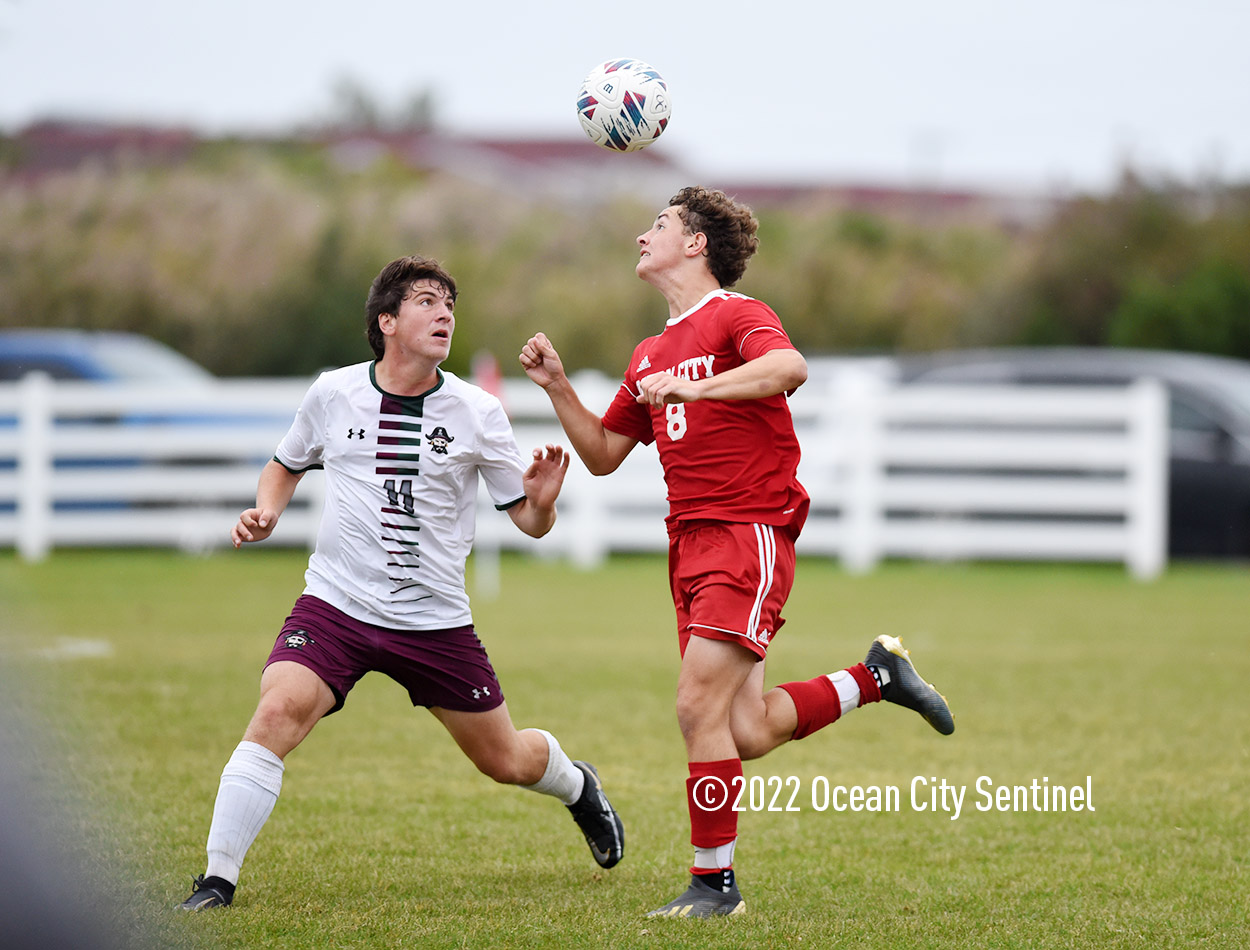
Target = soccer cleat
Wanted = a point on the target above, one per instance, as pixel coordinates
(208, 892)
(700, 900)
(598, 820)
(905, 687)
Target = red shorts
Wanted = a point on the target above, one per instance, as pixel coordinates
(730, 581)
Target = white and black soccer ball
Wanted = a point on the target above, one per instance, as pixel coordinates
(623, 105)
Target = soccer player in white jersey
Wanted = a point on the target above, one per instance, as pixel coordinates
(710, 391)
(402, 443)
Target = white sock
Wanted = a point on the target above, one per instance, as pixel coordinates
(714, 859)
(249, 788)
(848, 690)
(562, 778)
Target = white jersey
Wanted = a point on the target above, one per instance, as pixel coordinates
(401, 492)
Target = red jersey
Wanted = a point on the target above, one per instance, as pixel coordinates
(724, 460)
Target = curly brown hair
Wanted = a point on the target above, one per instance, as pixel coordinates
(729, 227)
(390, 287)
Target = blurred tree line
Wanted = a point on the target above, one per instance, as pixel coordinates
(255, 260)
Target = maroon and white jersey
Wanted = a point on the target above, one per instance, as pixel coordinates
(725, 460)
(401, 492)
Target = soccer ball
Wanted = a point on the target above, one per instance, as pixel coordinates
(623, 105)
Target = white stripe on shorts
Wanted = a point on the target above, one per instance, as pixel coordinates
(767, 543)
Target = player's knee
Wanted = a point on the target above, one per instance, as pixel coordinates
(697, 711)
(280, 715)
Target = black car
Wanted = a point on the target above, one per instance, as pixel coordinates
(1209, 491)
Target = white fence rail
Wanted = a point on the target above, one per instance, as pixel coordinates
(90, 464)
(945, 472)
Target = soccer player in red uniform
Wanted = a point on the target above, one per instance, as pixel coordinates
(710, 391)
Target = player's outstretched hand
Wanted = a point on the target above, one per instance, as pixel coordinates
(543, 479)
(541, 361)
(254, 524)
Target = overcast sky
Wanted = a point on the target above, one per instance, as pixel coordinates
(987, 93)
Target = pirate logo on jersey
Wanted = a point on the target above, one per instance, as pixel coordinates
(298, 640)
(439, 440)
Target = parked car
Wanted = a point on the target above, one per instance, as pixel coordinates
(1209, 437)
(99, 355)
(105, 356)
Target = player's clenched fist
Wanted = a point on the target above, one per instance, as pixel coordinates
(540, 360)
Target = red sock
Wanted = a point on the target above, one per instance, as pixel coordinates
(869, 691)
(711, 791)
(816, 703)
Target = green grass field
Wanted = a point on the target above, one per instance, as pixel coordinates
(135, 673)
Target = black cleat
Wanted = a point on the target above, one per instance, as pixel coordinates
(208, 892)
(905, 687)
(598, 820)
(700, 900)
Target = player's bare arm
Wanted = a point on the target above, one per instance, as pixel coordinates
(777, 371)
(601, 450)
(542, 481)
(273, 493)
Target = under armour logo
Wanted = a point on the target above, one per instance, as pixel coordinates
(355, 433)
(479, 693)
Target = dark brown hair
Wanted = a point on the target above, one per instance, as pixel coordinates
(729, 227)
(391, 286)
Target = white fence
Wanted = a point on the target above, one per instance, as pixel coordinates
(943, 472)
(91, 464)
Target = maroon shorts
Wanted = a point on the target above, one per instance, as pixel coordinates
(730, 581)
(444, 668)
